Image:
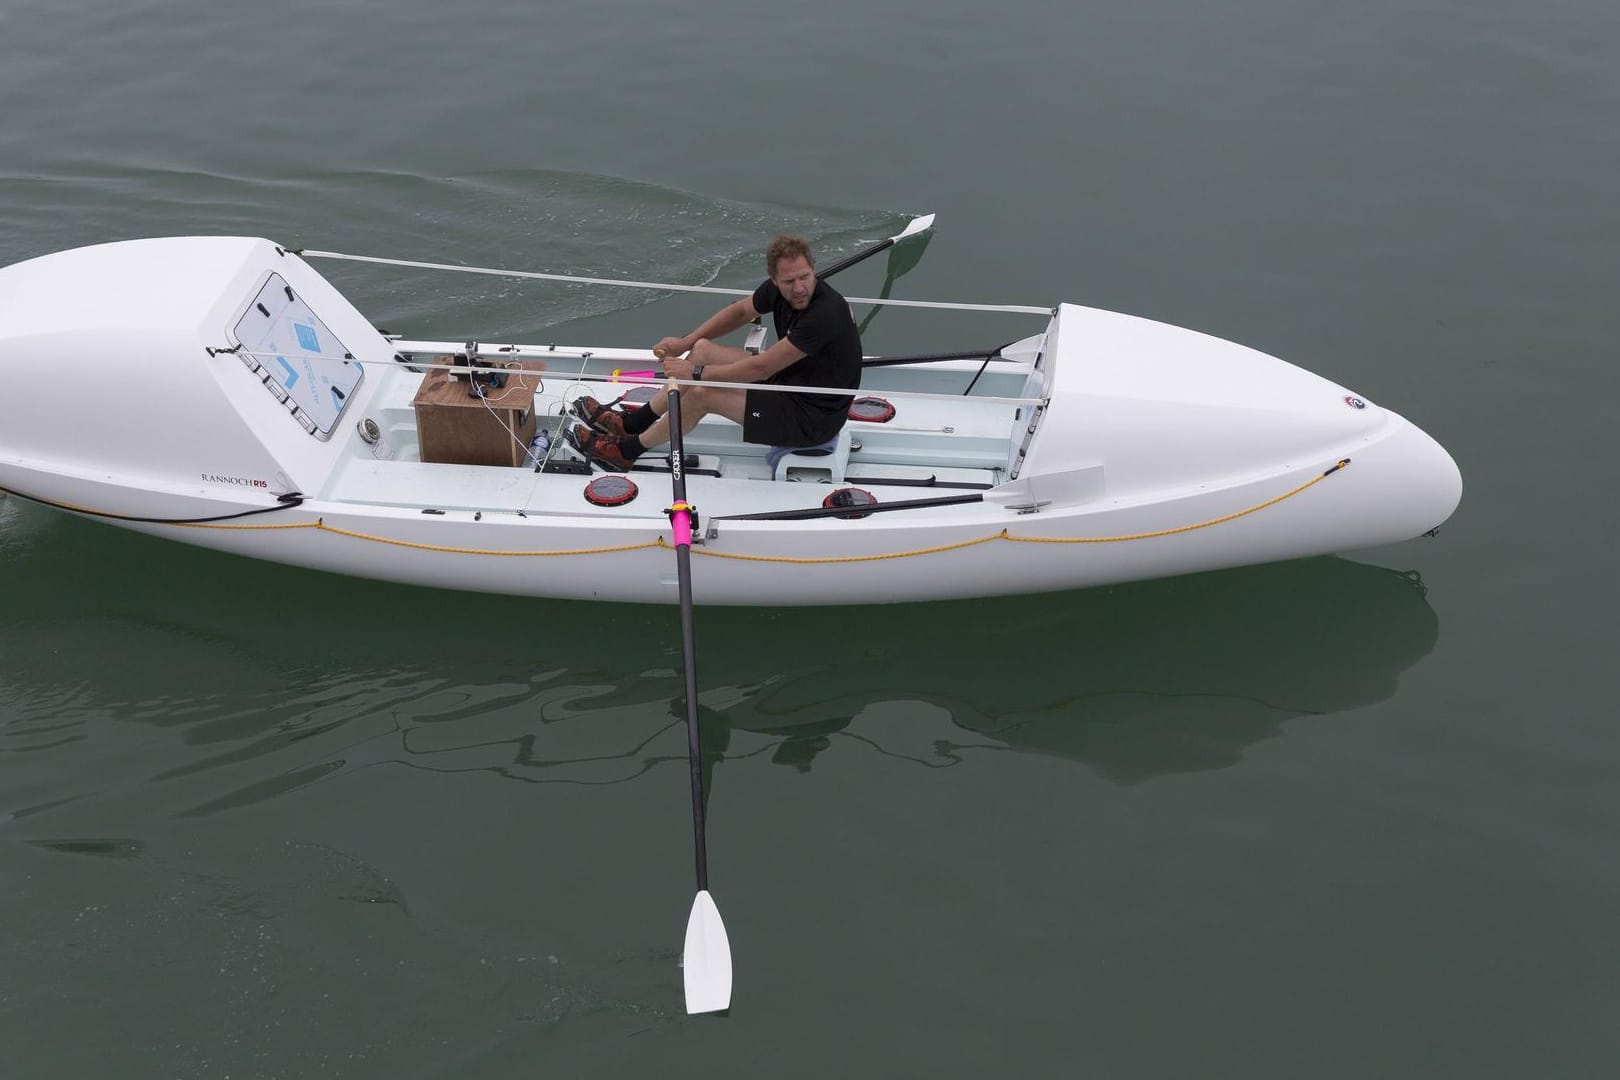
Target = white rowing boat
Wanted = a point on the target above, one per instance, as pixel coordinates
(219, 391)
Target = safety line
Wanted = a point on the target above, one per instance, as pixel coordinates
(307, 253)
(661, 542)
(1182, 528)
(1005, 535)
(288, 501)
(479, 551)
(321, 525)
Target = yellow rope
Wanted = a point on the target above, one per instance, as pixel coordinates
(324, 527)
(1180, 528)
(222, 525)
(481, 551)
(660, 542)
(321, 526)
(1002, 535)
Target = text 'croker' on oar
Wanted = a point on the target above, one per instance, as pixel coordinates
(706, 958)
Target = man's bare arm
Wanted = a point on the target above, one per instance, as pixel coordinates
(723, 363)
(721, 323)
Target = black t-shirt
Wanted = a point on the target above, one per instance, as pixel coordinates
(825, 332)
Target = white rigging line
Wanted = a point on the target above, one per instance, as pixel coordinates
(625, 383)
(662, 286)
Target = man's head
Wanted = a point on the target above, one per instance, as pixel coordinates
(789, 264)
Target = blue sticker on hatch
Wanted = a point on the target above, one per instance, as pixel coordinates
(292, 376)
(307, 338)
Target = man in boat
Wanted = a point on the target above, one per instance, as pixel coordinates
(817, 345)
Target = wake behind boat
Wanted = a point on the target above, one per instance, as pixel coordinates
(221, 392)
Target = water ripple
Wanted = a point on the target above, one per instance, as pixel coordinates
(519, 219)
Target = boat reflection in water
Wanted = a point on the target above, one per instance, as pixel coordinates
(289, 678)
(1138, 681)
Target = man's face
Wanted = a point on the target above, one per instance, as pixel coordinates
(797, 280)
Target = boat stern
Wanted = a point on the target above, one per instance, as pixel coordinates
(207, 367)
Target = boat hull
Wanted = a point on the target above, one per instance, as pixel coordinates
(1391, 488)
(1107, 449)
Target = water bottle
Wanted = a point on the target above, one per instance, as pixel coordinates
(539, 446)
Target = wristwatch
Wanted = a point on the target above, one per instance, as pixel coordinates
(697, 372)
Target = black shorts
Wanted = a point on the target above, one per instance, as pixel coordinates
(775, 419)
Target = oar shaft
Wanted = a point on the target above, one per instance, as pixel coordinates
(891, 361)
(694, 746)
(681, 527)
(916, 227)
(853, 511)
(859, 256)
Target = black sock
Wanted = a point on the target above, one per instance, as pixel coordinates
(639, 420)
(631, 447)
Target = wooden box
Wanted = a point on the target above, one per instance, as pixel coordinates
(456, 428)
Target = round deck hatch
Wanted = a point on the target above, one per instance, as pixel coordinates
(871, 410)
(610, 489)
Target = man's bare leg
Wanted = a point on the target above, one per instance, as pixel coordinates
(696, 403)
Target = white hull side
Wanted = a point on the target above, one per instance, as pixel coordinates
(1112, 427)
(1389, 492)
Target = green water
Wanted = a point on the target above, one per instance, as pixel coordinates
(1342, 817)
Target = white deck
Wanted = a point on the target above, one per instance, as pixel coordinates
(931, 446)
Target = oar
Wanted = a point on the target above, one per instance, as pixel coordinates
(918, 226)
(903, 258)
(860, 510)
(706, 960)
(890, 361)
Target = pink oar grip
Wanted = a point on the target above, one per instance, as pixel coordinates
(681, 524)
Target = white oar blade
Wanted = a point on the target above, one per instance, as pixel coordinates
(917, 226)
(707, 961)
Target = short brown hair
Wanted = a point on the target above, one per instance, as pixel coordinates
(786, 246)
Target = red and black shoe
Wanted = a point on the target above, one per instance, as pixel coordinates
(597, 448)
(598, 417)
